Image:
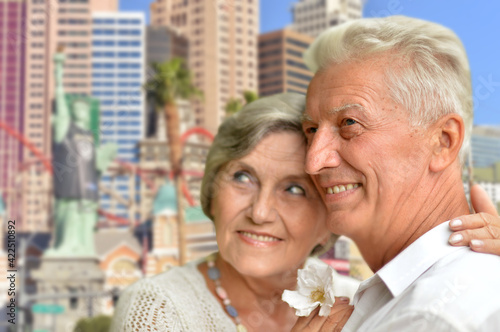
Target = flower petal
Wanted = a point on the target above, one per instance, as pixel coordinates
(295, 299)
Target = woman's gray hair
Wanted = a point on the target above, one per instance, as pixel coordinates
(430, 76)
(239, 134)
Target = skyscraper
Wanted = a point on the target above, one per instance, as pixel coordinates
(12, 25)
(311, 17)
(222, 38)
(281, 67)
(118, 69)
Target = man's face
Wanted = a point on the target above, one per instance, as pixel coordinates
(81, 114)
(363, 155)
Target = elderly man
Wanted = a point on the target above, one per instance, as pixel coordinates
(388, 123)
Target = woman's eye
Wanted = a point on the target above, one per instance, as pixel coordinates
(241, 177)
(296, 190)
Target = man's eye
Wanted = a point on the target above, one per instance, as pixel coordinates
(311, 130)
(296, 190)
(241, 177)
(349, 122)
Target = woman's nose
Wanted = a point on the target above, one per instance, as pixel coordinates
(262, 209)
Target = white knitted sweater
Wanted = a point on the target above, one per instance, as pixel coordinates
(179, 300)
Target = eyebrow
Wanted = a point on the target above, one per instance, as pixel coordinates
(345, 107)
(307, 118)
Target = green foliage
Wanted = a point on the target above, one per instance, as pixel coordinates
(250, 96)
(101, 323)
(171, 80)
(234, 104)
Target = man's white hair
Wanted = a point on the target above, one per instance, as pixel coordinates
(430, 75)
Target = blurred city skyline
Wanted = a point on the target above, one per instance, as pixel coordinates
(477, 25)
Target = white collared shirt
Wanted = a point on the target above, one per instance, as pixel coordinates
(431, 286)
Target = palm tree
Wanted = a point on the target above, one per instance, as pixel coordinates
(171, 80)
(250, 96)
(234, 104)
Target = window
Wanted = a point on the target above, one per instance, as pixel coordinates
(103, 21)
(296, 64)
(270, 53)
(130, 21)
(129, 54)
(129, 43)
(298, 75)
(106, 65)
(103, 43)
(129, 65)
(270, 84)
(294, 53)
(73, 21)
(103, 54)
(104, 32)
(297, 42)
(129, 32)
(299, 85)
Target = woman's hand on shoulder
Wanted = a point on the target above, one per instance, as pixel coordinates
(480, 231)
(340, 313)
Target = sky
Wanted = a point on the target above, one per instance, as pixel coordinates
(477, 23)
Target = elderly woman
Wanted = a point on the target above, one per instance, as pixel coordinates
(269, 220)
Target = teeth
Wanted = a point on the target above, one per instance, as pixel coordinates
(261, 238)
(341, 188)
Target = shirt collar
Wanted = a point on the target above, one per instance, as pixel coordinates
(419, 256)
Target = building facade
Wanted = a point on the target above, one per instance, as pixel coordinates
(485, 145)
(118, 69)
(12, 49)
(222, 39)
(281, 67)
(489, 179)
(164, 43)
(311, 17)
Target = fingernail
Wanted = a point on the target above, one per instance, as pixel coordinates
(476, 243)
(456, 223)
(455, 238)
(344, 299)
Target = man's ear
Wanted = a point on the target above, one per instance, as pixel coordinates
(448, 136)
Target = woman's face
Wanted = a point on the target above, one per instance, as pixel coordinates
(267, 213)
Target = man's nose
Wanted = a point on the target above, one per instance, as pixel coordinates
(322, 152)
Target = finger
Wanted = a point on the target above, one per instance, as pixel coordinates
(474, 221)
(343, 319)
(341, 300)
(465, 238)
(336, 321)
(481, 226)
(486, 246)
(303, 323)
(480, 200)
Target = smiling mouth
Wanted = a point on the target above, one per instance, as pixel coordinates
(341, 188)
(261, 238)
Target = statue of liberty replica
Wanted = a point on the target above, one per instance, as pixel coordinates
(70, 268)
(78, 161)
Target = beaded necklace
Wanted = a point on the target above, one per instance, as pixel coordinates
(214, 274)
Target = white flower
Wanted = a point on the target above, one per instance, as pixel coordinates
(314, 287)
